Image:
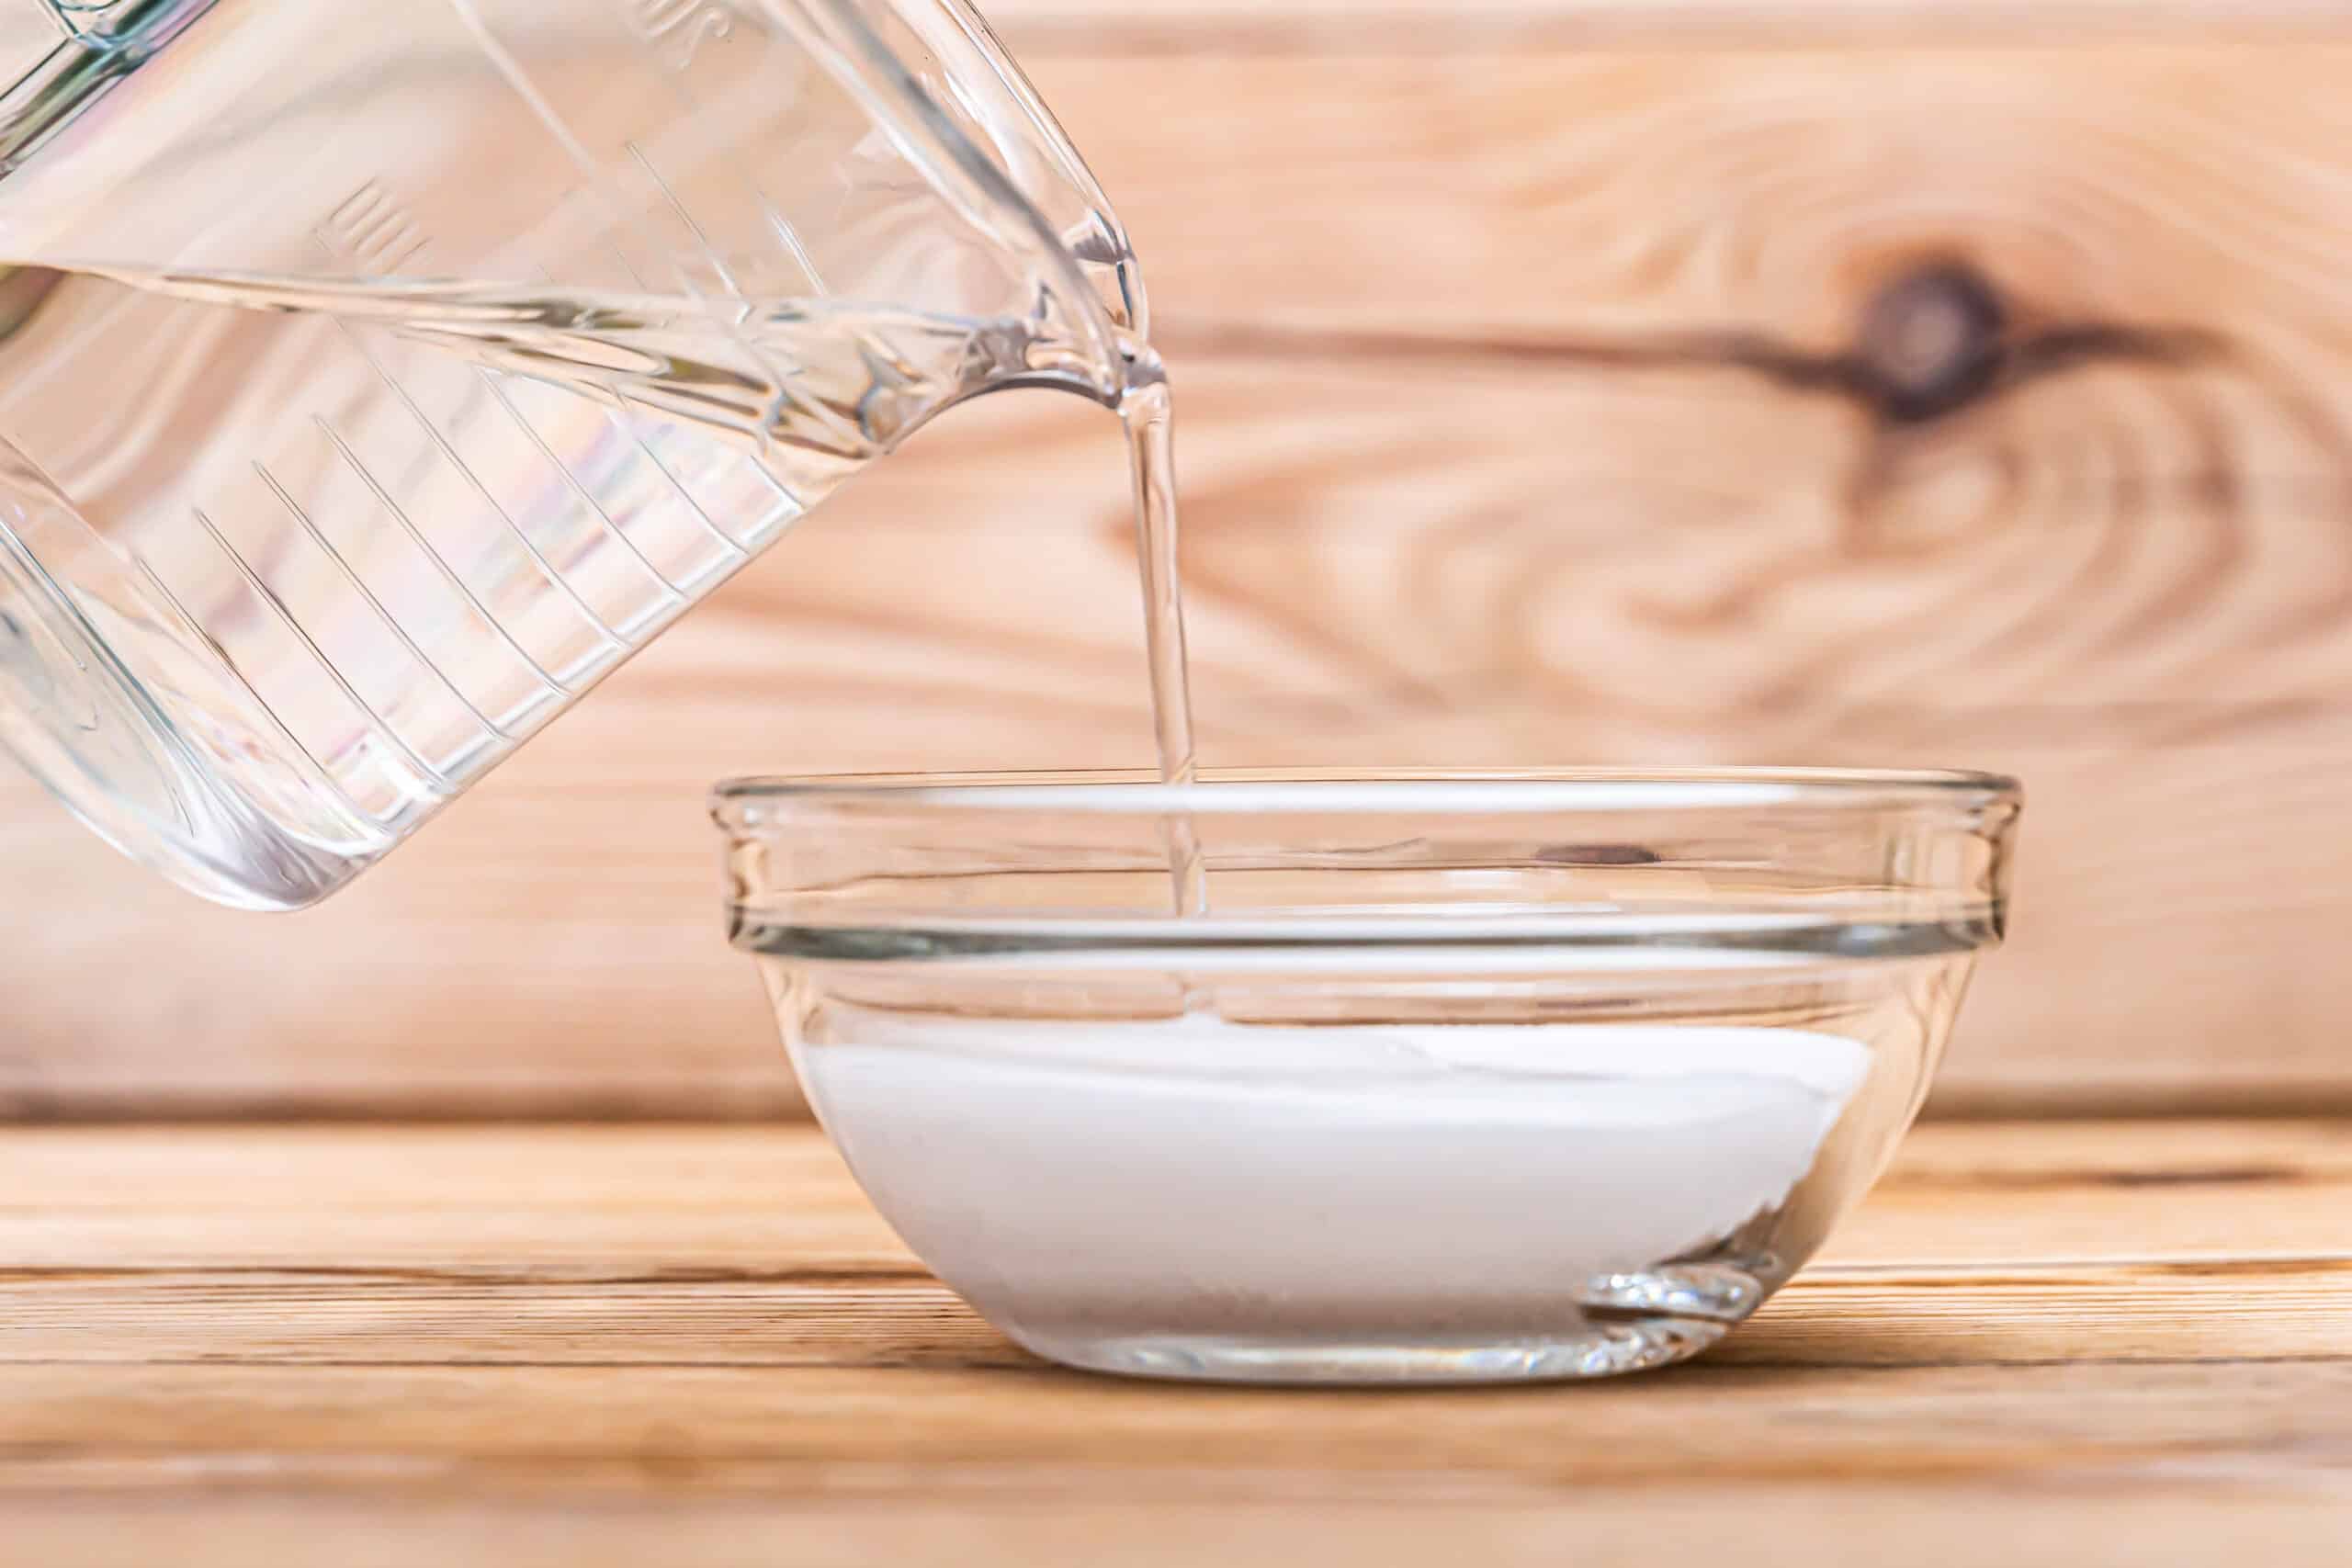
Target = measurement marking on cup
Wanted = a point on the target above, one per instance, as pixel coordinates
(358, 584)
(602, 631)
(655, 20)
(530, 431)
(624, 418)
(778, 377)
(545, 677)
(431, 780)
(318, 771)
(370, 227)
(702, 251)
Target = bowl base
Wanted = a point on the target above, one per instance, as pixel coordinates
(1629, 1344)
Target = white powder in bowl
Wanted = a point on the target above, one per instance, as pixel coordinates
(1200, 1175)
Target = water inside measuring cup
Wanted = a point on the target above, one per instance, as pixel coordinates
(428, 514)
(415, 519)
(322, 494)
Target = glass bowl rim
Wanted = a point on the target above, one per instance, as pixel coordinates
(740, 803)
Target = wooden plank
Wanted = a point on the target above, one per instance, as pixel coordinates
(1988, 1244)
(691, 1204)
(863, 1316)
(2062, 1523)
(784, 1431)
(1579, 456)
(378, 1340)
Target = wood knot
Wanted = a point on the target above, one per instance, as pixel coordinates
(1929, 341)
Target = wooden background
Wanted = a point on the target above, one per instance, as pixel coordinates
(1557, 382)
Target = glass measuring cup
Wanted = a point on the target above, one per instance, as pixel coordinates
(375, 378)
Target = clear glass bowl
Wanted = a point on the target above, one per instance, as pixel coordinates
(1459, 1077)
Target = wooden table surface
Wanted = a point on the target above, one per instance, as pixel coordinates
(2079, 1342)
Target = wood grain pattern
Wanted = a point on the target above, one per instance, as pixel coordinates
(688, 1202)
(1584, 448)
(2067, 1522)
(2053, 1336)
